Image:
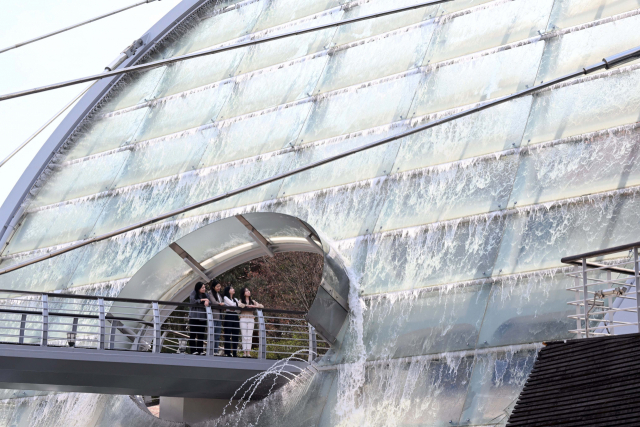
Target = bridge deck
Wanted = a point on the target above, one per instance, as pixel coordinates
(126, 372)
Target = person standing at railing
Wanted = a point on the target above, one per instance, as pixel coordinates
(231, 322)
(198, 318)
(247, 320)
(216, 299)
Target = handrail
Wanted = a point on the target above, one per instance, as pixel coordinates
(601, 252)
(142, 301)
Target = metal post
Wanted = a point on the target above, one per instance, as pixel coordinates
(23, 325)
(637, 276)
(45, 320)
(262, 336)
(101, 323)
(610, 305)
(157, 335)
(576, 283)
(210, 331)
(112, 335)
(313, 344)
(585, 297)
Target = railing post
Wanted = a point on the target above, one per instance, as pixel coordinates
(262, 336)
(313, 344)
(23, 325)
(636, 270)
(585, 297)
(101, 323)
(210, 331)
(157, 335)
(576, 283)
(609, 306)
(45, 320)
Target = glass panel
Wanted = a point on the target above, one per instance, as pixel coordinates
(488, 131)
(220, 26)
(371, 163)
(45, 276)
(540, 238)
(496, 383)
(197, 72)
(360, 108)
(340, 212)
(80, 179)
(283, 11)
(373, 27)
(238, 139)
(105, 133)
(55, 225)
(216, 238)
(168, 116)
(572, 51)
(273, 87)
(157, 276)
(425, 321)
(568, 13)
(283, 50)
(599, 103)
(478, 80)
(454, 6)
(497, 24)
(133, 204)
(528, 308)
(124, 255)
(438, 194)
(134, 89)
(421, 257)
(162, 158)
(220, 179)
(421, 391)
(586, 165)
(273, 225)
(376, 58)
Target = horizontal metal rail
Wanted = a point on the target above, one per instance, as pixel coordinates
(160, 63)
(84, 322)
(606, 63)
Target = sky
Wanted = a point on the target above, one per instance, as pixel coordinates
(76, 53)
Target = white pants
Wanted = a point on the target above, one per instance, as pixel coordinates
(246, 327)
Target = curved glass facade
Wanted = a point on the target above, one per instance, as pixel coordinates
(453, 235)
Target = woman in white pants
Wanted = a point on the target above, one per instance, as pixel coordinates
(247, 320)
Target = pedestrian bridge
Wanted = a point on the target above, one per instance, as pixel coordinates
(80, 343)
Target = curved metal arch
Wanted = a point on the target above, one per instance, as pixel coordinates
(222, 245)
(11, 209)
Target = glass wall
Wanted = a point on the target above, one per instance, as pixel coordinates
(452, 236)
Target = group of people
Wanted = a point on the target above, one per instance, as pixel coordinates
(234, 315)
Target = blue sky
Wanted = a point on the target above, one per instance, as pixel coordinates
(81, 51)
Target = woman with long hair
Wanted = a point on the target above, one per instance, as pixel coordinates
(217, 299)
(198, 318)
(247, 320)
(231, 322)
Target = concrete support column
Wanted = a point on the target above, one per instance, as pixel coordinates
(190, 410)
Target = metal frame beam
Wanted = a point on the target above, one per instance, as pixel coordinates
(190, 261)
(256, 235)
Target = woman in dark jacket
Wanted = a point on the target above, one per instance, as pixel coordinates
(198, 318)
(231, 322)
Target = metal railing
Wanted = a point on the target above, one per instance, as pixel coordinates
(148, 326)
(607, 300)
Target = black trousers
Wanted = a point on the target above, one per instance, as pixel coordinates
(197, 335)
(231, 334)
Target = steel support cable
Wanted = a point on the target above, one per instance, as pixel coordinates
(80, 24)
(44, 126)
(160, 63)
(606, 63)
